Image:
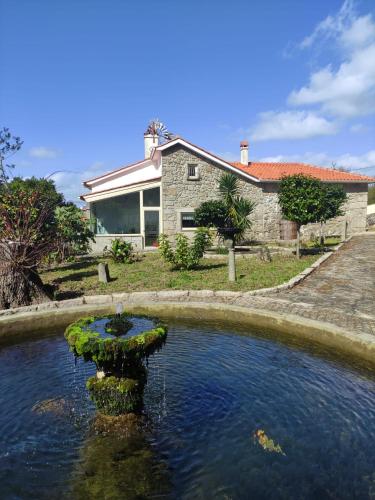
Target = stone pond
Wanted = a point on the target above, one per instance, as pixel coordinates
(228, 412)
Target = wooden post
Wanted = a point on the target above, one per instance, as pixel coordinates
(231, 265)
(344, 234)
(103, 273)
(298, 246)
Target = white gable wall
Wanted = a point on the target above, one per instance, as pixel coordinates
(132, 175)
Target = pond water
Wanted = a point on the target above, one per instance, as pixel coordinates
(138, 325)
(209, 390)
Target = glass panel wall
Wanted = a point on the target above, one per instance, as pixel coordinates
(151, 228)
(119, 215)
(151, 197)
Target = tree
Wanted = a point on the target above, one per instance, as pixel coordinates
(333, 197)
(35, 222)
(212, 213)
(371, 195)
(73, 233)
(27, 236)
(229, 215)
(45, 187)
(9, 145)
(304, 200)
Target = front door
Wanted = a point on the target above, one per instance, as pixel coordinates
(151, 228)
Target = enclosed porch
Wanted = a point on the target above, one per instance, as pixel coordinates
(132, 214)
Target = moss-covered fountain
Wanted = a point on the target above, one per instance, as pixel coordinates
(119, 347)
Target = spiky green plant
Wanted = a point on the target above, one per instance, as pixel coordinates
(238, 208)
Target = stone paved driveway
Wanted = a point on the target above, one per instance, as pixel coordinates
(345, 281)
(341, 291)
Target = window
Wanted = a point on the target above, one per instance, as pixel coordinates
(118, 215)
(151, 197)
(192, 172)
(187, 220)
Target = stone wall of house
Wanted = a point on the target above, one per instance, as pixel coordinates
(179, 194)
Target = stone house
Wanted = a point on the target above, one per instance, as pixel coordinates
(158, 194)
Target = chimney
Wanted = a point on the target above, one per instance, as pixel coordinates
(244, 146)
(151, 141)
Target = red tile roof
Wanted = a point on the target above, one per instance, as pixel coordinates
(275, 171)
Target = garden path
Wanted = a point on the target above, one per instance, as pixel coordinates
(341, 291)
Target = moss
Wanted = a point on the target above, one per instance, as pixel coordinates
(112, 354)
(121, 360)
(116, 396)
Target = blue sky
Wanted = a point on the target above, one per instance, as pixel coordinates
(80, 79)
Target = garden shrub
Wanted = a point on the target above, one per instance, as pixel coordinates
(119, 251)
(186, 255)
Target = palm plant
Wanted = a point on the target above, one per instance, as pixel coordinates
(238, 209)
(229, 215)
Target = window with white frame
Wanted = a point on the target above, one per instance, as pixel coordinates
(117, 215)
(188, 220)
(192, 171)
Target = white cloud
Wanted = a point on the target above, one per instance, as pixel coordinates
(70, 183)
(44, 152)
(364, 163)
(347, 92)
(332, 26)
(291, 125)
(359, 34)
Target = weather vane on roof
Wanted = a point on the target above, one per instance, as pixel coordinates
(156, 127)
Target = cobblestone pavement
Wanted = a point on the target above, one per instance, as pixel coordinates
(340, 291)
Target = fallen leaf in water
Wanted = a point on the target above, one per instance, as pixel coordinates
(267, 443)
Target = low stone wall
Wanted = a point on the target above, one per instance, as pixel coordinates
(225, 307)
(103, 240)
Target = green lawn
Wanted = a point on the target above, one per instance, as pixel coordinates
(151, 273)
(329, 241)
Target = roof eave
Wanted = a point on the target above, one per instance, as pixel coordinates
(119, 188)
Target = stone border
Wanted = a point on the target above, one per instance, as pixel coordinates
(178, 295)
(33, 324)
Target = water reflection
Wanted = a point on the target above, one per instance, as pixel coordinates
(117, 461)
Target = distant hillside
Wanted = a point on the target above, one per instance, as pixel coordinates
(371, 195)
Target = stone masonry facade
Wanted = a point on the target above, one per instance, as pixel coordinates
(180, 194)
